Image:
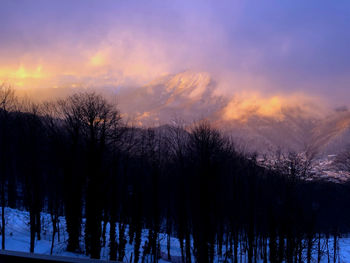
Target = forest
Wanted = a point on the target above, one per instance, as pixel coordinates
(77, 157)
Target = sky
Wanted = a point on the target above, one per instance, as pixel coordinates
(270, 47)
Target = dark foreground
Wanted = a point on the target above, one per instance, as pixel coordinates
(20, 257)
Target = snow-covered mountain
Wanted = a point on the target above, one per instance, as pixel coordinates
(188, 96)
(262, 123)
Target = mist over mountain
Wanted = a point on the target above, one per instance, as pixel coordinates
(259, 123)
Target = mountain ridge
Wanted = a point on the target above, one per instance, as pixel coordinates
(293, 122)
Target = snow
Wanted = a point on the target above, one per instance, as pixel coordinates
(18, 239)
(18, 234)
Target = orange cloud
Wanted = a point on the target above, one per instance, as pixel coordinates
(22, 75)
(245, 105)
(99, 59)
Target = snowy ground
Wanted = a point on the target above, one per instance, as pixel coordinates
(18, 237)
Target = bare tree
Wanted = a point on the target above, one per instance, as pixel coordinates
(56, 151)
(342, 160)
(204, 146)
(7, 104)
(32, 146)
(292, 164)
(92, 120)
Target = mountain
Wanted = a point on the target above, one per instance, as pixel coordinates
(263, 124)
(188, 96)
(259, 123)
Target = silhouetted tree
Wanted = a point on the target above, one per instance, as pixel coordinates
(7, 105)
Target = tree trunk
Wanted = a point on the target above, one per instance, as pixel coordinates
(188, 247)
(137, 242)
(122, 242)
(3, 217)
(32, 230)
(181, 241)
(319, 248)
(335, 247)
(104, 232)
(54, 230)
(112, 241)
(309, 248)
(168, 246)
(38, 224)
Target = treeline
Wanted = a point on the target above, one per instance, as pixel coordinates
(77, 158)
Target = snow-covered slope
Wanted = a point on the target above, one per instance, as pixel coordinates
(17, 239)
(18, 234)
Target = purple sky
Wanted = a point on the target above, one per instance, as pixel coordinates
(283, 46)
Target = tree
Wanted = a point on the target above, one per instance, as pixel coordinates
(91, 119)
(342, 160)
(68, 110)
(204, 146)
(7, 104)
(31, 158)
(54, 164)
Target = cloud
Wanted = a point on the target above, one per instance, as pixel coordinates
(247, 104)
(270, 47)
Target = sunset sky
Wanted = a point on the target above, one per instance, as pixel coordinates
(269, 46)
